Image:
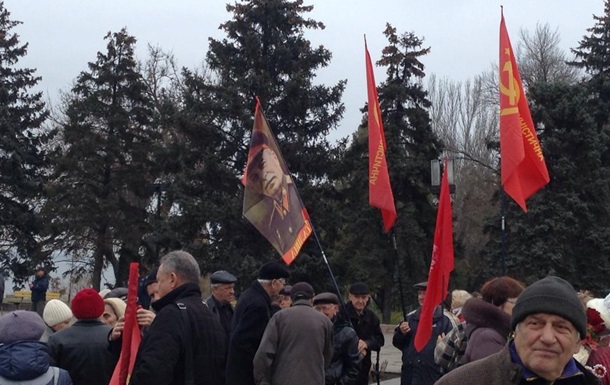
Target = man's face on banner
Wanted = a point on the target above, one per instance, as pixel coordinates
(267, 177)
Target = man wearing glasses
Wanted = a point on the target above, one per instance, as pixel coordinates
(252, 314)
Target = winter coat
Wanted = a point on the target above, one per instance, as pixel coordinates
(487, 328)
(27, 362)
(368, 329)
(296, 347)
(82, 349)
(161, 356)
(499, 369)
(223, 312)
(39, 288)
(345, 364)
(252, 314)
(419, 368)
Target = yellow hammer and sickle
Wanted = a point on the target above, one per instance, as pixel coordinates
(512, 91)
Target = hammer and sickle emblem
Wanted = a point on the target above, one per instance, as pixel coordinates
(512, 90)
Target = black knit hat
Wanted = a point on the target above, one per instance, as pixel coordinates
(551, 295)
(273, 270)
(359, 288)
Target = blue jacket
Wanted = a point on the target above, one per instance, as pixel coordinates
(26, 361)
(419, 368)
(39, 288)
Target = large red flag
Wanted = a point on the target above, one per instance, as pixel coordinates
(131, 332)
(440, 267)
(380, 190)
(271, 200)
(523, 168)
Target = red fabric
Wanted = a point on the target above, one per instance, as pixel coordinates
(380, 189)
(440, 267)
(523, 168)
(131, 332)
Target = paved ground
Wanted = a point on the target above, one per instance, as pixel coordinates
(391, 355)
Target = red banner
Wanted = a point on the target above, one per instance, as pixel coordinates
(380, 189)
(271, 200)
(131, 332)
(440, 267)
(523, 168)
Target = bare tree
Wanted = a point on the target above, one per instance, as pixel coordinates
(540, 58)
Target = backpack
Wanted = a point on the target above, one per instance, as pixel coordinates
(50, 377)
(450, 350)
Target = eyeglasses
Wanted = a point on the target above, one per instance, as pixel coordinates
(282, 281)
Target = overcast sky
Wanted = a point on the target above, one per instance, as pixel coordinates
(64, 35)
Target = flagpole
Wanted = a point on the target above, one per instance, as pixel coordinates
(332, 276)
(402, 299)
(503, 229)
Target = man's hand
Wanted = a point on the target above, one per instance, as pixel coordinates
(404, 327)
(145, 317)
(362, 348)
(117, 331)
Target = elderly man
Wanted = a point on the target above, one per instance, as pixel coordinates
(185, 343)
(345, 364)
(549, 321)
(297, 344)
(367, 327)
(252, 314)
(223, 293)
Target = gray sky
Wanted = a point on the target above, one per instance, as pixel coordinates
(64, 35)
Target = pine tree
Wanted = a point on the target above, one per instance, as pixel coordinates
(23, 161)
(104, 182)
(411, 145)
(264, 54)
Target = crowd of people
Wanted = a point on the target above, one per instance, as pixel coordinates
(277, 334)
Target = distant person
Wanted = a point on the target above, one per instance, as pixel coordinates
(549, 322)
(82, 349)
(147, 289)
(39, 288)
(419, 368)
(23, 358)
(345, 364)
(223, 294)
(367, 327)
(56, 316)
(186, 342)
(252, 314)
(297, 344)
(285, 299)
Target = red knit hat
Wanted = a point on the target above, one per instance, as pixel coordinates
(87, 304)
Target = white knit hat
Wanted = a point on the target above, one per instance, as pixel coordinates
(56, 312)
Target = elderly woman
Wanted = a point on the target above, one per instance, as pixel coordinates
(114, 308)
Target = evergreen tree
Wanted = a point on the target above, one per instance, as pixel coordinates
(23, 161)
(102, 188)
(411, 145)
(264, 54)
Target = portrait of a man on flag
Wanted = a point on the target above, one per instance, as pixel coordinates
(271, 200)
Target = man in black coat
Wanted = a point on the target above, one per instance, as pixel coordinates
(186, 340)
(367, 327)
(252, 314)
(223, 293)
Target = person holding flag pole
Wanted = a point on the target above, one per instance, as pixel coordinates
(416, 336)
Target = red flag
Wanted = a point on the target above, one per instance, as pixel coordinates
(440, 267)
(380, 190)
(523, 168)
(131, 332)
(271, 200)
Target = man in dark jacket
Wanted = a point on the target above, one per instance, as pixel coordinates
(223, 292)
(39, 288)
(367, 327)
(252, 314)
(345, 364)
(186, 340)
(549, 322)
(419, 368)
(82, 349)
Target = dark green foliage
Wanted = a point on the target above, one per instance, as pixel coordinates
(264, 54)
(361, 246)
(23, 162)
(104, 180)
